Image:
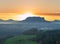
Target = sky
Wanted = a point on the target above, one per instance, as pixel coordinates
(11, 8)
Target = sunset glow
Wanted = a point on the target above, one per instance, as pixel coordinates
(24, 16)
(21, 9)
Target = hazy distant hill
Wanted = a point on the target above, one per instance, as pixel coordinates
(56, 21)
(30, 19)
(27, 20)
(1, 20)
(35, 19)
(16, 27)
(10, 20)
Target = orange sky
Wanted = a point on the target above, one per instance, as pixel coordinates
(9, 9)
(6, 16)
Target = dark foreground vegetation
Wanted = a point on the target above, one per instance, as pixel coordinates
(34, 36)
(45, 36)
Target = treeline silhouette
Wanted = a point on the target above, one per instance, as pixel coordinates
(44, 36)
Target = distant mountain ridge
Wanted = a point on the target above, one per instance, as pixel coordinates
(10, 20)
(12, 27)
(35, 19)
(30, 19)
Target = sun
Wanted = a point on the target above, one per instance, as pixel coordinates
(25, 15)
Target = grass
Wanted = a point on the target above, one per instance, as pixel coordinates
(22, 39)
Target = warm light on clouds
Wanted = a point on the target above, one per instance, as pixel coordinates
(24, 16)
(11, 9)
(6, 16)
(47, 6)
